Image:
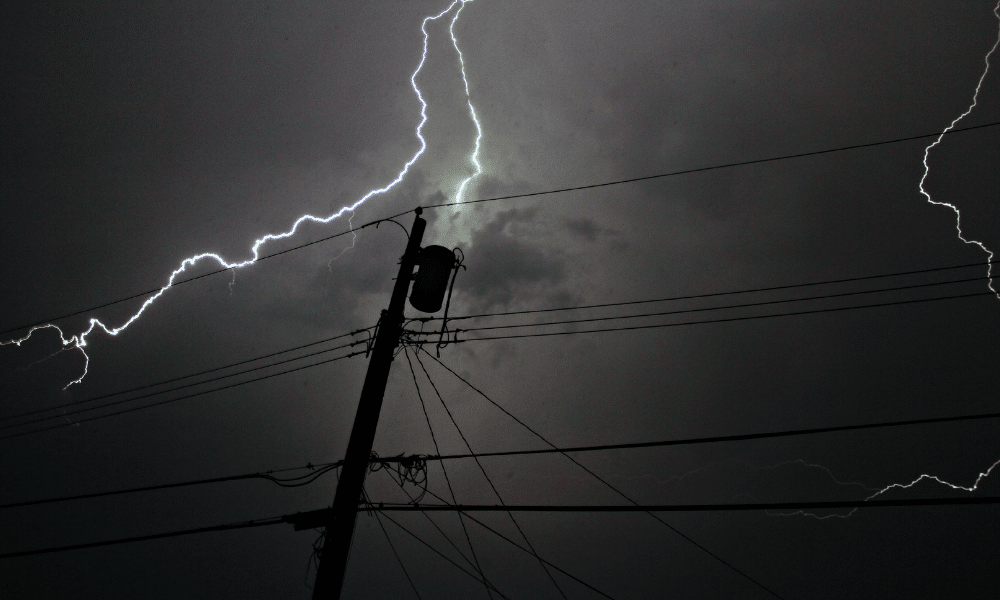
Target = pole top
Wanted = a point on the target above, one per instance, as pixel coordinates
(419, 211)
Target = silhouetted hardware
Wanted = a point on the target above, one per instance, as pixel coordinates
(431, 281)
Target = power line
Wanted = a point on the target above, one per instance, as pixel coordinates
(559, 450)
(396, 554)
(516, 545)
(617, 508)
(180, 387)
(681, 534)
(183, 377)
(722, 166)
(143, 538)
(315, 472)
(494, 327)
(436, 551)
(475, 559)
(725, 293)
(508, 197)
(729, 306)
(197, 277)
(704, 322)
(719, 438)
(168, 401)
(629, 508)
(487, 477)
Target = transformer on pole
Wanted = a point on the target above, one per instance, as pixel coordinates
(430, 284)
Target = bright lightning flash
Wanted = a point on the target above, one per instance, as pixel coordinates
(896, 486)
(927, 169)
(79, 341)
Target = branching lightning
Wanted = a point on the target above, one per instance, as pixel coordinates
(79, 341)
(927, 169)
(897, 486)
(474, 157)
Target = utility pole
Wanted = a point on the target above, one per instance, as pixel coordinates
(340, 529)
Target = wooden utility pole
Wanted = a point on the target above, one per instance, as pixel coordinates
(340, 529)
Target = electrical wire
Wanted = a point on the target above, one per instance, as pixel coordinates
(185, 397)
(605, 482)
(451, 490)
(522, 548)
(174, 389)
(730, 306)
(183, 377)
(396, 554)
(203, 275)
(651, 508)
(316, 471)
(596, 448)
(704, 322)
(436, 551)
(383, 508)
(725, 293)
(511, 197)
(433, 523)
(486, 476)
(721, 166)
(724, 438)
(143, 538)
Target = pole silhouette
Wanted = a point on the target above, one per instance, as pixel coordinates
(340, 528)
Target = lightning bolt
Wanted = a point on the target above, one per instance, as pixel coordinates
(927, 169)
(474, 157)
(895, 486)
(79, 341)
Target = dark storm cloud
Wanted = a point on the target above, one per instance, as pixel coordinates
(136, 136)
(504, 267)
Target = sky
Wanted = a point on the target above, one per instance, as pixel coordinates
(138, 136)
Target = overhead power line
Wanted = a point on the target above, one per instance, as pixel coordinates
(313, 516)
(174, 389)
(185, 397)
(725, 293)
(628, 508)
(729, 306)
(315, 472)
(686, 323)
(180, 378)
(144, 538)
(607, 484)
(722, 166)
(509, 197)
(594, 448)
(718, 438)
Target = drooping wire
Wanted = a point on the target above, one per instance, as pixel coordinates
(723, 293)
(433, 522)
(396, 554)
(174, 389)
(188, 376)
(439, 553)
(404, 469)
(523, 549)
(444, 470)
(603, 481)
(727, 306)
(185, 397)
(703, 322)
(719, 166)
(487, 477)
(316, 471)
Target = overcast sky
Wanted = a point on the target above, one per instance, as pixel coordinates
(138, 136)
